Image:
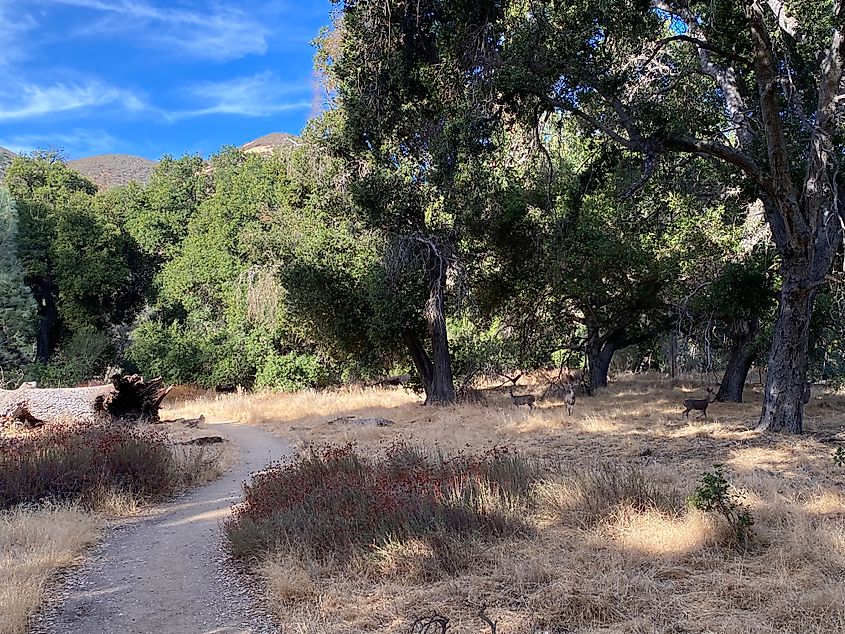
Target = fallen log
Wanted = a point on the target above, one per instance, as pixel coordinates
(126, 398)
(202, 441)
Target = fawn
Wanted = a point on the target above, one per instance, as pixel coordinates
(698, 404)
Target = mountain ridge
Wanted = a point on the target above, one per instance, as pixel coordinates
(115, 170)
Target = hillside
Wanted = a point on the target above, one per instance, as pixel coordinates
(269, 142)
(6, 157)
(114, 170)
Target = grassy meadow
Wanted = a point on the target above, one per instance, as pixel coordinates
(611, 544)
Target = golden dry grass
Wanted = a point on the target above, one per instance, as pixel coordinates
(34, 545)
(630, 570)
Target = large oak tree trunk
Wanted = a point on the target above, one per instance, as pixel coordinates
(783, 404)
(599, 355)
(442, 390)
(44, 290)
(742, 357)
(422, 362)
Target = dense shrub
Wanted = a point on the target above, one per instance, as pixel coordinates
(171, 351)
(333, 502)
(81, 463)
(83, 356)
(290, 372)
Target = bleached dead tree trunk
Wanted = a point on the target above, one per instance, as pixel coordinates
(126, 398)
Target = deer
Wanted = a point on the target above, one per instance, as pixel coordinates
(522, 399)
(698, 404)
(569, 398)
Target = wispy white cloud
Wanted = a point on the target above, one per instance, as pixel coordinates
(211, 31)
(76, 142)
(260, 95)
(30, 101)
(16, 23)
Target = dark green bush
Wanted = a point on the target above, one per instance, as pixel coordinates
(85, 355)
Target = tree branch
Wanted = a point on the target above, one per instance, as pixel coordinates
(725, 153)
(597, 125)
(724, 76)
(788, 24)
(699, 42)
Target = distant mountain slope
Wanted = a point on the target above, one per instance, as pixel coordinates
(269, 142)
(114, 170)
(6, 157)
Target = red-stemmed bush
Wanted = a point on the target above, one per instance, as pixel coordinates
(334, 501)
(81, 462)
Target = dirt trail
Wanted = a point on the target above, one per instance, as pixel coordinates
(165, 572)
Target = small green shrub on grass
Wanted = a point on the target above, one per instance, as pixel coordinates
(291, 372)
(839, 456)
(334, 502)
(713, 495)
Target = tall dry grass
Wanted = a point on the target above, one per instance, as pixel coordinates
(34, 544)
(615, 547)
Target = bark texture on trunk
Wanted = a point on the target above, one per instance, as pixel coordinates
(442, 390)
(422, 362)
(783, 403)
(742, 358)
(600, 354)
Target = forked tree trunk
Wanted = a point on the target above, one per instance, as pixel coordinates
(742, 358)
(783, 403)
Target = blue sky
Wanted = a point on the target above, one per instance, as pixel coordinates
(150, 77)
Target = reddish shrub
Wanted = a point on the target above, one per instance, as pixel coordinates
(334, 501)
(77, 463)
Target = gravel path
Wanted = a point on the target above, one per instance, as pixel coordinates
(165, 572)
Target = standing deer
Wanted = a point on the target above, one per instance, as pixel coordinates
(569, 398)
(698, 404)
(522, 399)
